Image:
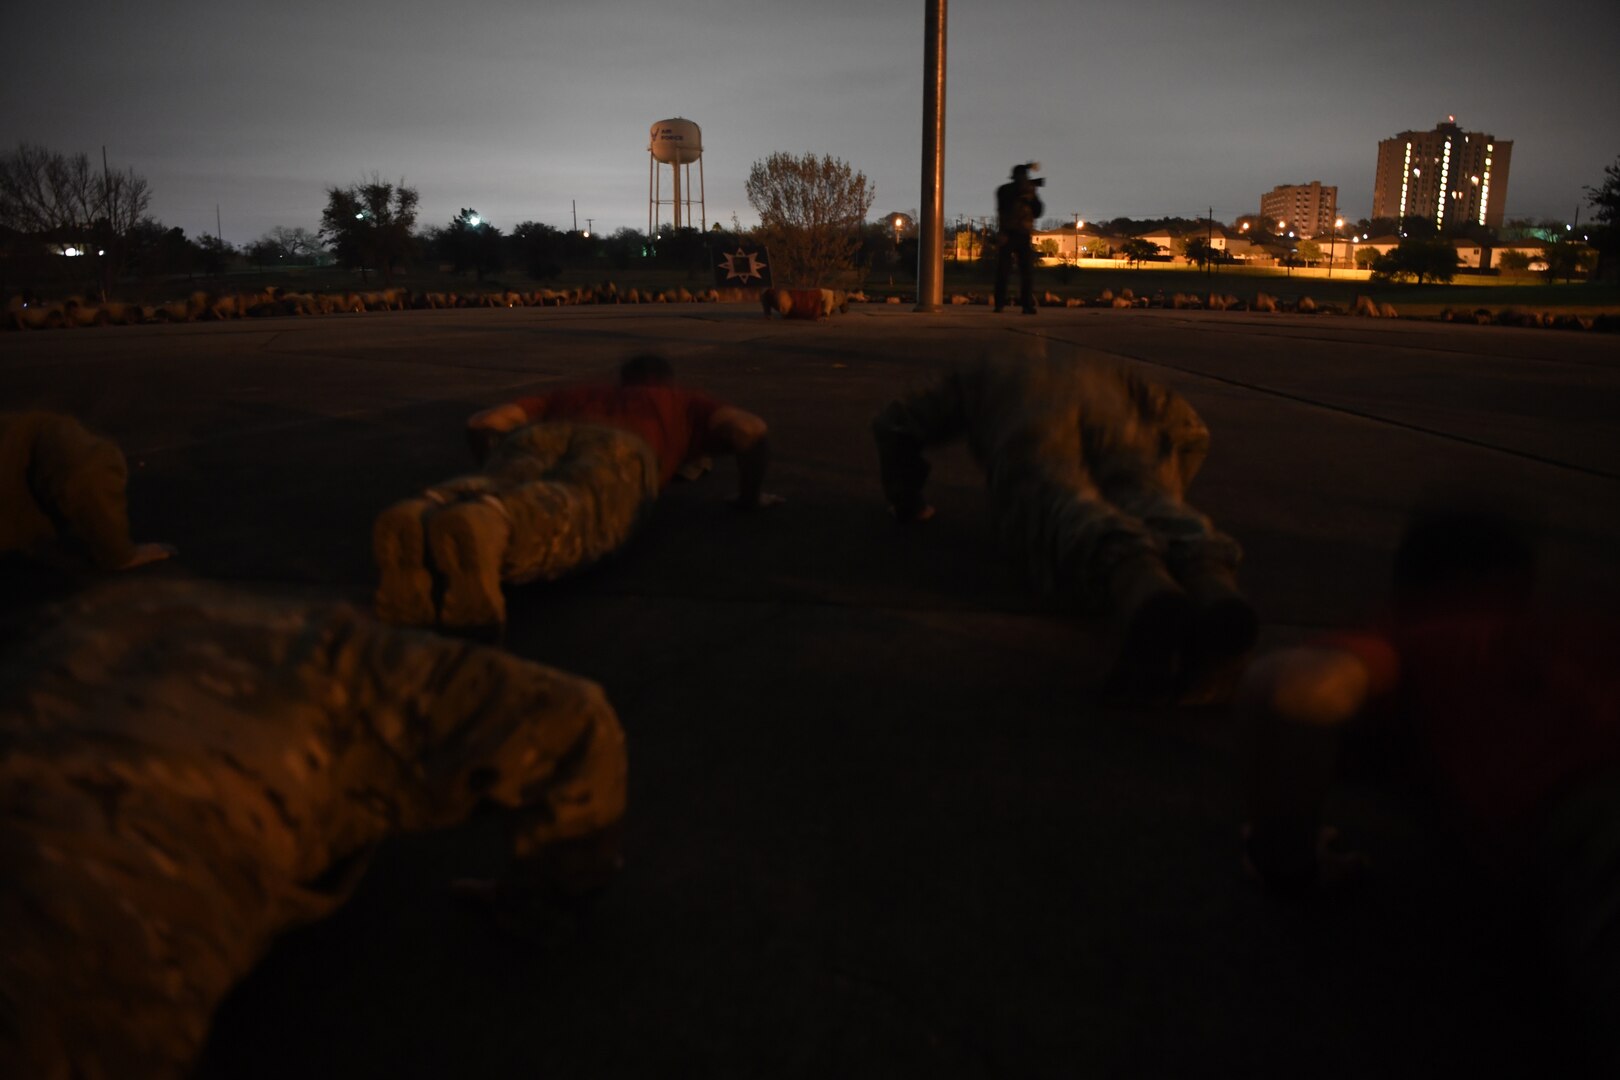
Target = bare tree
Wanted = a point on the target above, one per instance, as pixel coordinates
(62, 198)
(289, 245)
(43, 192)
(810, 212)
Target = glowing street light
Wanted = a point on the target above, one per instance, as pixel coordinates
(1333, 246)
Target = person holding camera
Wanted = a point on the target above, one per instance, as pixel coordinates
(1017, 209)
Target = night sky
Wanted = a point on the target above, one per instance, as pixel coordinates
(515, 108)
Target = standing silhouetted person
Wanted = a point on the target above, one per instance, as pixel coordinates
(1017, 208)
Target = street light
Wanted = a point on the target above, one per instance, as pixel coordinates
(1333, 246)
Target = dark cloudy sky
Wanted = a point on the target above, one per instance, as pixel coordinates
(516, 107)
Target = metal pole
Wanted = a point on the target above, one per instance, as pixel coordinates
(931, 233)
(675, 188)
(1209, 247)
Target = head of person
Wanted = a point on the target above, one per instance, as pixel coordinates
(646, 369)
(1453, 558)
(1020, 173)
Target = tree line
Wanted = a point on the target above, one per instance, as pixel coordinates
(812, 213)
(62, 219)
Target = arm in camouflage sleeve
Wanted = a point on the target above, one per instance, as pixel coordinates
(904, 429)
(469, 724)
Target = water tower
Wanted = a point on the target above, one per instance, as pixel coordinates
(676, 143)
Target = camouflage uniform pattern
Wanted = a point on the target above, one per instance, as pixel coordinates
(553, 497)
(62, 492)
(185, 771)
(1087, 462)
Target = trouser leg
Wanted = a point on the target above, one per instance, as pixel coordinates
(1188, 540)
(404, 586)
(1204, 561)
(586, 508)
(1105, 562)
(1026, 276)
(1065, 534)
(1003, 265)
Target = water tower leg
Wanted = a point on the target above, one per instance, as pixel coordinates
(703, 197)
(675, 171)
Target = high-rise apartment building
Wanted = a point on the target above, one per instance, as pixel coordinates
(1447, 175)
(1308, 209)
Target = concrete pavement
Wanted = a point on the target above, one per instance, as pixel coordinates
(880, 822)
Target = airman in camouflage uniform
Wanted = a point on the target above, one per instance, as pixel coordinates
(552, 498)
(185, 771)
(567, 478)
(1087, 463)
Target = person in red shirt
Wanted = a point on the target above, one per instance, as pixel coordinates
(566, 479)
(1503, 717)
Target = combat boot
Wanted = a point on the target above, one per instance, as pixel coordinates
(1154, 615)
(469, 541)
(1224, 623)
(404, 587)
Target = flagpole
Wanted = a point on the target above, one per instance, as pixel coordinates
(931, 233)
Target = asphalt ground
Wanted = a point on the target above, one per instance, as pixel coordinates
(882, 822)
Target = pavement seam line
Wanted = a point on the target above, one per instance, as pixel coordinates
(1298, 399)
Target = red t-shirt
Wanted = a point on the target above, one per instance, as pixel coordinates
(1509, 712)
(672, 420)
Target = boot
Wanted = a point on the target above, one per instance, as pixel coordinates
(404, 586)
(1154, 615)
(469, 543)
(1224, 623)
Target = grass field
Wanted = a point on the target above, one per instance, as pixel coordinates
(972, 278)
(1574, 297)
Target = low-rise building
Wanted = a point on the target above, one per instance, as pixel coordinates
(1308, 209)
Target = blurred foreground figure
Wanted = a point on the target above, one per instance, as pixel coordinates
(1503, 718)
(567, 478)
(185, 771)
(1087, 462)
(62, 495)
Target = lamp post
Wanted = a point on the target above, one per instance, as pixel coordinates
(1333, 245)
(931, 235)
